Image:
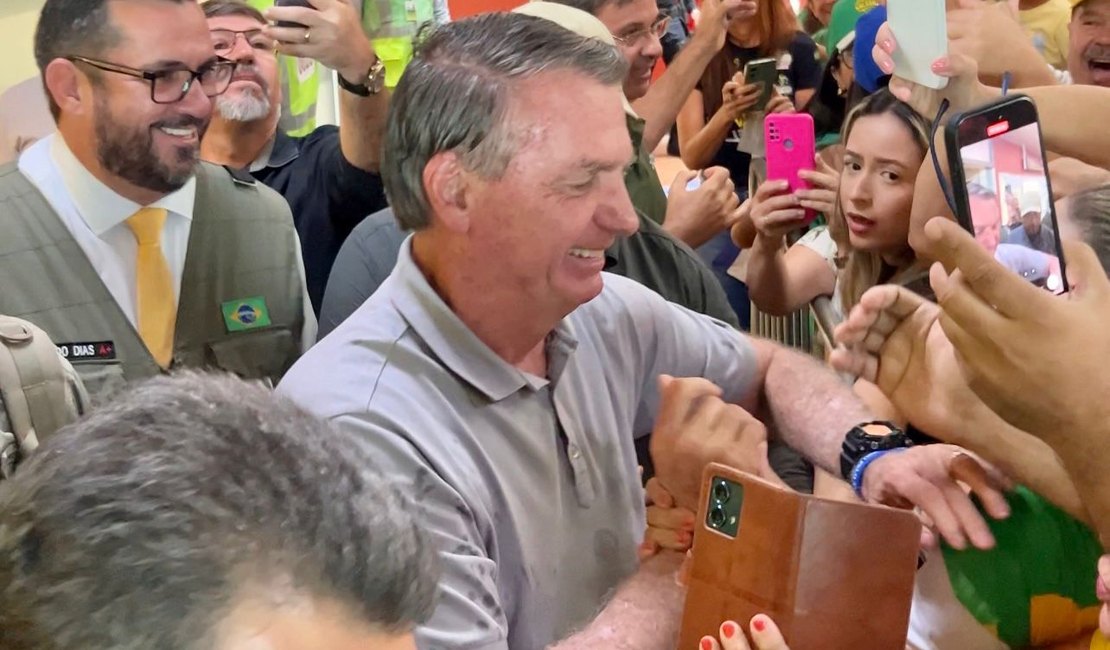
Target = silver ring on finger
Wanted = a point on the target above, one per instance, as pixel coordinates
(307, 34)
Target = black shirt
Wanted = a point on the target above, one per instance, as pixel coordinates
(799, 69)
(328, 196)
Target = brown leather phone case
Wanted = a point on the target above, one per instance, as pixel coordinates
(832, 575)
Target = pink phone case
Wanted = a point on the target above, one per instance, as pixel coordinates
(790, 148)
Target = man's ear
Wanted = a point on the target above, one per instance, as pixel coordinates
(63, 82)
(446, 183)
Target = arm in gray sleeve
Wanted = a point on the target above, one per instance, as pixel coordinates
(364, 261)
(469, 613)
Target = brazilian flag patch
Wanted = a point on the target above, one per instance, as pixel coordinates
(245, 314)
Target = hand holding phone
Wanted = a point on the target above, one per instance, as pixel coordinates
(791, 148)
(293, 3)
(739, 97)
(1002, 189)
(833, 575)
(765, 73)
(921, 27)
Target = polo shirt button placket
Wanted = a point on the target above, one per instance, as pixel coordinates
(583, 486)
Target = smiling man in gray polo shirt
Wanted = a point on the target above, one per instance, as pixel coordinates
(501, 376)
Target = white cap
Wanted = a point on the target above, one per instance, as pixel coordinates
(577, 21)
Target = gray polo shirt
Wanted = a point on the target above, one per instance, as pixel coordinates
(528, 486)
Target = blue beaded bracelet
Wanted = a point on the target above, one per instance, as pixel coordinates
(861, 466)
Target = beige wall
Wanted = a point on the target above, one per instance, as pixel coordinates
(17, 31)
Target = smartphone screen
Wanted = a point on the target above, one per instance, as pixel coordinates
(1006, 192)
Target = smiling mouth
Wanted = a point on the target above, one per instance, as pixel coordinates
(587, 253)
(179, 132)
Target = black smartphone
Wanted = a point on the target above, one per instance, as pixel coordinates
(292, 3)
(1002, 190)
(764, 72)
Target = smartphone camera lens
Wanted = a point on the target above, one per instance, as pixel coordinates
(717, 516)
(721, 493)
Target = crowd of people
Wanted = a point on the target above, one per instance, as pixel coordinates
(446, 375)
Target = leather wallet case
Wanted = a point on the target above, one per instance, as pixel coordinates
(832, 575)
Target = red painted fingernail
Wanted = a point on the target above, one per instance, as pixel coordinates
(706, 644)
(728, 629)
(940, 65)
(758, 624)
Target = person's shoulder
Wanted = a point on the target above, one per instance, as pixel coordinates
(802, 41)
(379, 226)
(240, 194)
(622, 303)
(326, 135)
(667, 249)
(341, 373)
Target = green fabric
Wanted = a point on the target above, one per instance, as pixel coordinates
(670, 268)
(828, 140)
(641, 180)
(845, 13)
(1040, 550)
(300, 88)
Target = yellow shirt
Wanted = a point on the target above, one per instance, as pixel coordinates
(1047, 25)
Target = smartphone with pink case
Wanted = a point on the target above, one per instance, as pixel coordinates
(791, 147)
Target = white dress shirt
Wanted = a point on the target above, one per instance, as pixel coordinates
(97, 216)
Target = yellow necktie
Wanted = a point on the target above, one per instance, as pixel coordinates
(157, 309)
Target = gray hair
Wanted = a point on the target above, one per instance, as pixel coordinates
(144, 524)
(455, 93)
(1090, 213)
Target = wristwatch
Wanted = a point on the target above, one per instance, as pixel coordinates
(372, 83)
(878, 435)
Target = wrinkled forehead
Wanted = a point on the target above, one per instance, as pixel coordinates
(1092, 8)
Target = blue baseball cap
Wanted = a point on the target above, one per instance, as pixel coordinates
(868, 74)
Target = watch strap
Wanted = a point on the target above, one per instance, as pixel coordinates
(861, 467)
(373, 80)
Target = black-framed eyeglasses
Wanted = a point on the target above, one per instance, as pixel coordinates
(171, 86)
(224, 40)
(657, 29)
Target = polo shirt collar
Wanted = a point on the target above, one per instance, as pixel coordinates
(101, 207)
(457, 347)
(278, 152)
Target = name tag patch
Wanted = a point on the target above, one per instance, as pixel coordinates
(245, 314)
(91, 351)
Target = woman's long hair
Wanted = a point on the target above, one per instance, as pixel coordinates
(862, 270)
(775, 26)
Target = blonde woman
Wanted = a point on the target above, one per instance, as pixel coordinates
(866, 242)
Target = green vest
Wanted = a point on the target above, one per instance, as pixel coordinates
(242, 260)
(393, 27)
(300, 87)
(640, 178)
